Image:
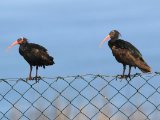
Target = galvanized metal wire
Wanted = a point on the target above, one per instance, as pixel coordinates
(81, 97)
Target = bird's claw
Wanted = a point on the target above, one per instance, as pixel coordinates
(118, 76)
(123, 77)
(128, 77)
(29, 78)
(37, 78)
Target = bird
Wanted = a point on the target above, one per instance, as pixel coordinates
(125, 53)
(36, 55)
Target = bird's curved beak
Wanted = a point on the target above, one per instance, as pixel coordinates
(13, 44)
(104, 40)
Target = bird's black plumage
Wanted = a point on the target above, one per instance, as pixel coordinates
(119, 43)
(126, 53)
(34, 54)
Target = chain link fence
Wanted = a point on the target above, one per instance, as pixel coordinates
(82, 97)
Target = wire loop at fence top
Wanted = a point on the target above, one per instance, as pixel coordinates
(81, 97)
(81, 76)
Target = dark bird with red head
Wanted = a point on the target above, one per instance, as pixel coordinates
(34, 54)
(125, 53)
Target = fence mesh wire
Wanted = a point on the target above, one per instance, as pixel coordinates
(81, 97)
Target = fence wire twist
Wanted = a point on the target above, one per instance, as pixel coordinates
(81, 97)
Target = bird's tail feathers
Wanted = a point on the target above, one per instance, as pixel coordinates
(144, 67)
(50, 61)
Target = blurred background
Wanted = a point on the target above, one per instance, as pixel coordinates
(71, 30)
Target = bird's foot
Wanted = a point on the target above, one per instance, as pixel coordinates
(37, 78)
(29, 78)
(123, 77)
(120, 77)
(128, 77)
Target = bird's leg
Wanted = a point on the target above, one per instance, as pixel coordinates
(30, 77)
(124, 68)
(129, 74)
(36, 73)
(122, 76)
(37, 77)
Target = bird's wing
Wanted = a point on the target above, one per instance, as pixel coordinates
(128, 46)
(36, 52)
(36, 46)
(127, 54)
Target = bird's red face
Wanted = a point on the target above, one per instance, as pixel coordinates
(19, 41)
(114, 34)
